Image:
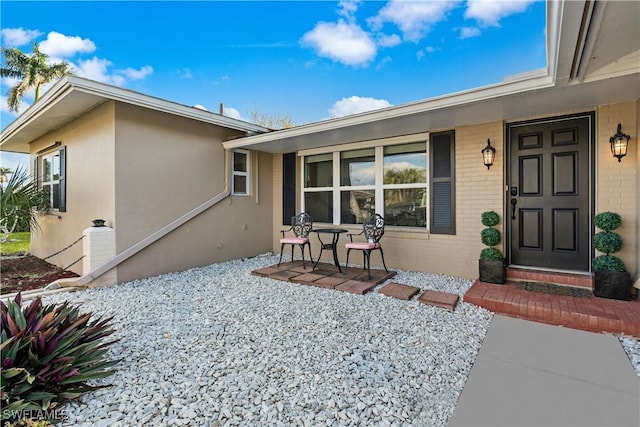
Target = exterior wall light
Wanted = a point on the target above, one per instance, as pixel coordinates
(489, 154)
(619, 143)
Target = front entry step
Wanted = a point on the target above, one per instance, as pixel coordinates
(566, 279)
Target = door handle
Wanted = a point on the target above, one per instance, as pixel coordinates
(514, 202)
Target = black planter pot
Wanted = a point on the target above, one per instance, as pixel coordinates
(613, 285)
(492, 271)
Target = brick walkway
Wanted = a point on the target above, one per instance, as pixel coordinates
(589, 314)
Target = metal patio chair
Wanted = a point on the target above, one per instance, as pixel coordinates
(301, 226)
(373, 230)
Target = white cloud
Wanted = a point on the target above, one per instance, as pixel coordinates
(134, 74)
(414, 18)
(386, 60)
(423, 52)
(60, 46)
(200, 107)
(233, 113)
(342, 42)
(388, 40)
(489, 12)
(356, 104)
(346, 8)
(468, 32)
(97, 69)
(185, 73)
(14, 37)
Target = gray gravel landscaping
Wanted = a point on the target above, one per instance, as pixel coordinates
(219, 346)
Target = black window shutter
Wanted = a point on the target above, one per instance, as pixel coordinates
(443, 195)
(63, 179)
(288, 187)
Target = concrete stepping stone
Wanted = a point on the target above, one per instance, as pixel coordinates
(356, 287)
(399, 291)
(439, 299)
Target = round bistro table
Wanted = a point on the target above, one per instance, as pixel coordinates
(333, 245)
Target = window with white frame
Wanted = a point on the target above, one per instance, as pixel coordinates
(240, 173)
(318, 187)
(405, 184)
(390, 180)
(51, 179)
(357, 185)
(410, 183)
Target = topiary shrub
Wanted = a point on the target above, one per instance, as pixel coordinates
(491, 265)
(490, 236)
(607, 221)
(607, 242)
(491, 254)
(48, 355)
(608, 263)
(490, 219)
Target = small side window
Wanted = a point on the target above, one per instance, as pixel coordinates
(53, 179)
(240, 173)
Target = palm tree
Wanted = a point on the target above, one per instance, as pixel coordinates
(21, 200)
(4, 173)
(32, 71)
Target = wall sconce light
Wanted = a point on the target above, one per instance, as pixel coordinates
(619, 143)
(488, 154)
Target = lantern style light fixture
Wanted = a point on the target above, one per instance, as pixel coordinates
(488, 154)
(619, 143)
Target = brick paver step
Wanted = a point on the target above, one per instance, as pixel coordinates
(356, 287)
(400, 291)
(439, 299)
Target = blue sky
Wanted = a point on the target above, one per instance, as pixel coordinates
(308, 60)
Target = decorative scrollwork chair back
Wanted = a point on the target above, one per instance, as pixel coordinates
(372, 230)
(301, 226)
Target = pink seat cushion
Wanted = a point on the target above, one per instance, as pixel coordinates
(362, 245)
(295, 240)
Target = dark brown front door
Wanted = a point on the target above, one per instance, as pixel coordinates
(549, 193)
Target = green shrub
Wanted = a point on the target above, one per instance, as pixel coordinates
(490, 237)
(490, 254)
(28, 422)
(48, 355)
(607, 242)
(490, 219)
(608, 263)
(607, 221)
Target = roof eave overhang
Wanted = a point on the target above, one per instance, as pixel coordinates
(72, 96)
(456, 100)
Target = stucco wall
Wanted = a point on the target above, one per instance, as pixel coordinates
(166, 166)
(617, 182)
(90, 176)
